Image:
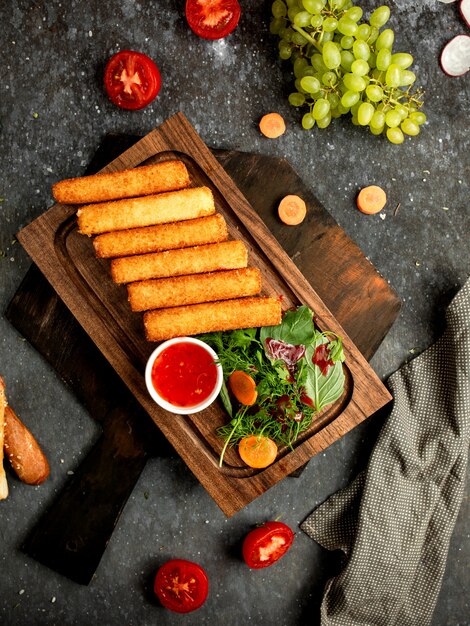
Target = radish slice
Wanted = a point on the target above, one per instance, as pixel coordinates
(465, 11)
(455, 57)
(446, 1)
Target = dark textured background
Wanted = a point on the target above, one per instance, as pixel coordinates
(53, 115)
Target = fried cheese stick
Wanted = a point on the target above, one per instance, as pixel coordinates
(211, 229)
(140, 181)
(195, 288)
(173, 206)
(211, 316)
(3, 478)
(209, 258)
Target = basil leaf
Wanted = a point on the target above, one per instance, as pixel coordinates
(296, 328)
(323, 390)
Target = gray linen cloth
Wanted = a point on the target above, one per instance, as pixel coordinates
(395, 521)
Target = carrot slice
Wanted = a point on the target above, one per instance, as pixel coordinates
(272, 125)
(292, 210)
(243, 387)
(257, 451)
(371, 199)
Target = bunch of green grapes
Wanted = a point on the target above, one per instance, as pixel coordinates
(342, 65)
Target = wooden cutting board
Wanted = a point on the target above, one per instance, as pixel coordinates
(73, 533)
(82, 281)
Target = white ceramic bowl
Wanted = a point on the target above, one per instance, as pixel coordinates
(182, 410)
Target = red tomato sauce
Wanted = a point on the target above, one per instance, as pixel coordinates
(184, 374)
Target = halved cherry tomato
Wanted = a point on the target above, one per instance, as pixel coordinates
(132, 80)
(181, 586)
(265, 545)
(212, 19)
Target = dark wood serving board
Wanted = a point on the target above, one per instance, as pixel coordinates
(67, 260)
(73, 533)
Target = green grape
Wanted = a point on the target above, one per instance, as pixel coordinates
(365, 113)
(291, 3)
(296, 99)
(286, 34)
(354, 120)
(376, 74)
(354, 83)
(355, 108)
(384, 58)
(402, 111)
(292, 12)
(299, 87)
(373, 36)
(346, 26)
(380, 17)
(360, 67)
(333, 99)
(298, 39)
(313, 6)
(385, 39)
(284, 50)
(308, 71)
(320, 109)
(347, 59)
(331, 55)
(317, 62)
(329, 79)
(363, 32)
(342, 109)
(279, 9)
(308, 121)
(354, 14)
(276, 24)
(407, 78)
(376, 131)
(335, 113)
(409, 127)
(349, 99)
(393, 76)
(302, 19)
(337, 4)
(378, 120)
(347, 42)
(324, 121)
(395, 135)
(418, 116)
(375, 93)
(392, 118)
(299, 66)
(310, 84)
(372, 60)
(402, 59)
(361, 50)
(330, 24)
(316, 21)
(328, 36)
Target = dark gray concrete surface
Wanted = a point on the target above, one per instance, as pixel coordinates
(53, 116)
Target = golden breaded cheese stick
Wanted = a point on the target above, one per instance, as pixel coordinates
(173, 206)
(140, 181)
(195, 288)
(211, 229)
(194, 319)
(227, 255)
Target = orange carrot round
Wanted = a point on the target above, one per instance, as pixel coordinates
(272, 125)
(292, 210)
(243, 387)
(371, 199)
(257, 451)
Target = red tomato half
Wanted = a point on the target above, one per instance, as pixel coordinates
(212, 19)
(181, 586)
(265, 545)
(132, 80)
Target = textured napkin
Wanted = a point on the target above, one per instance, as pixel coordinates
(395, 521)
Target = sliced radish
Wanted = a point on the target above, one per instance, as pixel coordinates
(447, 1)
(465, 11)
(455, 57)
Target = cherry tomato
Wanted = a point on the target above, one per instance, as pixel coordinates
(132, 80)
(181, 586)
(212, 19)
(265, 545)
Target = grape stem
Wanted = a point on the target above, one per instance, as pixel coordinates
(307, 36)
